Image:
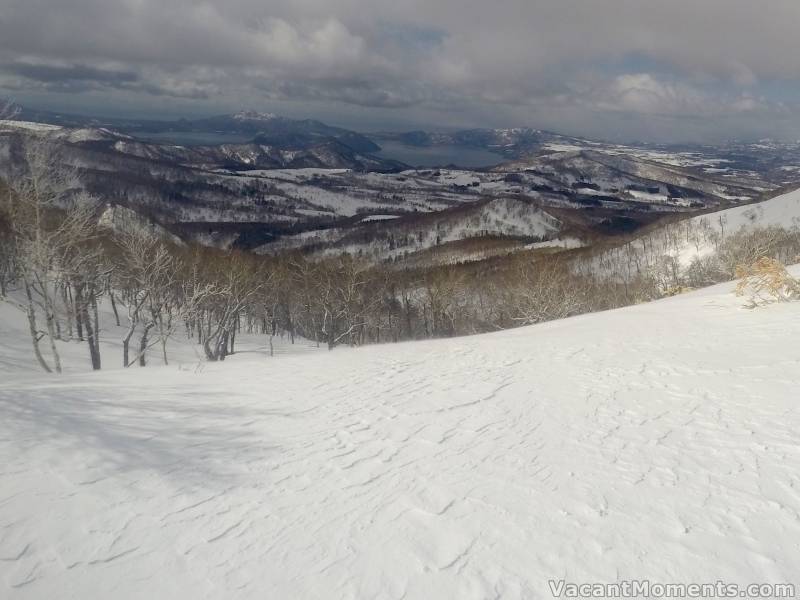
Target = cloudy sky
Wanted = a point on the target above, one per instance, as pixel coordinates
(662, 70)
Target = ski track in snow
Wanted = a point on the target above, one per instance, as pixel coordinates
(659, 442)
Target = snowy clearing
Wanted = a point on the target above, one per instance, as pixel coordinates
(660, 441)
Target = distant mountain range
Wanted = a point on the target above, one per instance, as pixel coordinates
(263, 128)
(337, 147)
(307, 186)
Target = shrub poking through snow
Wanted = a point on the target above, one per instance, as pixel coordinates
(766, 281)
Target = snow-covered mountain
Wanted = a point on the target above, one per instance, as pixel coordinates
(408, 237)
(281, 131)
(301, 184)
(658, 442)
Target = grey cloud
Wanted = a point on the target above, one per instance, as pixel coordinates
(78, 78)
(520, 60)
(359, 92)
(62, 73)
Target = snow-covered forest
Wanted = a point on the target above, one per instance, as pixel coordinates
(61, 263)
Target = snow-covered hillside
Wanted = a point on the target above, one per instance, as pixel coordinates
(660, 441)
(385, 238)
(780, 211)
(675, 246)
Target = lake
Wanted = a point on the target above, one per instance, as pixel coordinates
(438, 156)
(416, 156)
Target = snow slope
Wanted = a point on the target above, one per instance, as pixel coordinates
(697, 237)
(781, 211)
(660, 441)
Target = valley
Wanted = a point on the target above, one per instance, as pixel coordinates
(305, 186)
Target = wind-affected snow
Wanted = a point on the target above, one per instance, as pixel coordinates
(660, 441)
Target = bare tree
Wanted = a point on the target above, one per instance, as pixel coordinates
(442, 298)
(232, 286)
(303, 280)
(85, 273)
(52, 224)
(542, 291)
(275, 303)
(346, 297)
(145, 277)
(8, 256)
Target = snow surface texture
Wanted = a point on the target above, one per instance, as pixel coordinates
(660, 441)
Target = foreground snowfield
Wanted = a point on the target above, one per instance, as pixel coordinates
(660, 441)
